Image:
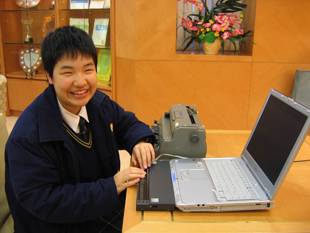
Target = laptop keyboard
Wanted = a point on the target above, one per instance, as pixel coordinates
(229, 181)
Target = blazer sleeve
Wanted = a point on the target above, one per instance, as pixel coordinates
(128, 129)
(33, 177)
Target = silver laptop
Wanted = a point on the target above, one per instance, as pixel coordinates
(249, 182)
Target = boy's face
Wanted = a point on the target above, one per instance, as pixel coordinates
(75, 81)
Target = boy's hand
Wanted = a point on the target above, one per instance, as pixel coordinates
(143, 155)
(128, 177)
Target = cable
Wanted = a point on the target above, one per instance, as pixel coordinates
(170, 155)
(306, 160)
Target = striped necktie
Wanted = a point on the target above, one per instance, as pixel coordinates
(82, 125)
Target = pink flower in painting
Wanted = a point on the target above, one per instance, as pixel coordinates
(225, 35)
(183, 21)
(190, 1)
(194, 29)
(218, 19)
(225, 18)
(189, 24)
(207, 25)
(232, 21)
(200, 6)
(225, 25)
(216, 27)
(237, 32)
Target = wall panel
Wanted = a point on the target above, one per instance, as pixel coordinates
(156, 34)
(280, 77)
(220, 91)
(282, 31)
(125, 33)
(126, 84)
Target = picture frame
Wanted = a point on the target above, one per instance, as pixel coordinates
(82, 23)
(96, 4)
(78, 4)
(100, 31)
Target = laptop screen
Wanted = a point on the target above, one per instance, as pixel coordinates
(274, 136)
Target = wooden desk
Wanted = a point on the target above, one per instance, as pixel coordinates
(291, 212)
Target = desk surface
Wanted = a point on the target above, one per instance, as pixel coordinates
(291, 212)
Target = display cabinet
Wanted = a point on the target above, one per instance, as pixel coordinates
(24, 24)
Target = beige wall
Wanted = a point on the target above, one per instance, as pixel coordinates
(228, 90)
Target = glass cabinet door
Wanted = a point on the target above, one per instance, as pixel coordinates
(24, 25)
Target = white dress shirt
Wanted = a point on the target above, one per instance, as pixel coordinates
(71, 119)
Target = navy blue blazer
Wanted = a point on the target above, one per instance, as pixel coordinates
(42, 176)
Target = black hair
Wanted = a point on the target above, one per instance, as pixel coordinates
(67, 40)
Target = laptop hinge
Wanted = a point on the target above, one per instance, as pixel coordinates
(262, 186)
(267, 192)
(245, 160)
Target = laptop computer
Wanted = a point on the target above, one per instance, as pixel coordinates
(265, 161)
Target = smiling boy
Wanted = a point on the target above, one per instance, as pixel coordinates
(58, 178)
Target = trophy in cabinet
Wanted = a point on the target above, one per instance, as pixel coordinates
(30, 60)
(48, 25)
(27, 3)
(28, 38)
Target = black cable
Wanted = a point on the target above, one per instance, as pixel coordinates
(306, 160)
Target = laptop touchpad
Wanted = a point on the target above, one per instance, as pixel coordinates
(197, 174)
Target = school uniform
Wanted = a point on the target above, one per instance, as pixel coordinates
(56, 183)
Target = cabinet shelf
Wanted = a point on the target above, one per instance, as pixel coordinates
(103, 47)
(29, 10)
(22, 75)
(104, 85)
(21, 43)
(200, 56)
(87, 9)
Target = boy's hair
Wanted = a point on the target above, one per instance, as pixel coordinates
(70, 41)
